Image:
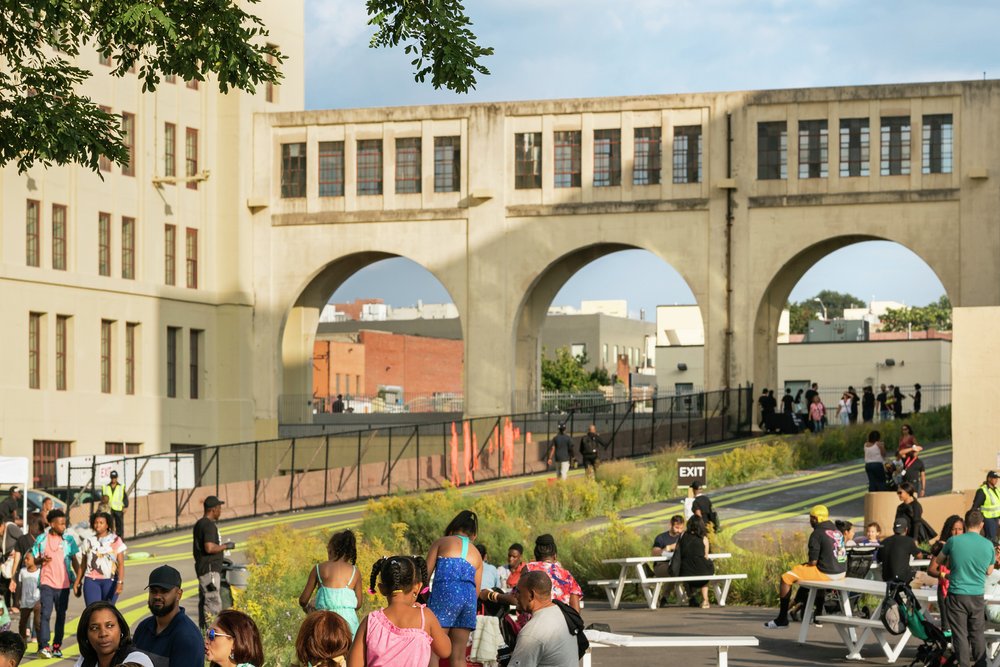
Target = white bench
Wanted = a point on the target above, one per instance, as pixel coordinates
(722, 644)
(847, 626)
(615, 588)
(652, 587)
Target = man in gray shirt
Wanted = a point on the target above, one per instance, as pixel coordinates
(545, 640)
(562, 450)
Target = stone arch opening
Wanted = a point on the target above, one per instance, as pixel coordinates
(776, 295)
(298, 402)
(538, 297)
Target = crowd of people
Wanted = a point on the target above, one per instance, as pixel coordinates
(433, 603)
(806, 407)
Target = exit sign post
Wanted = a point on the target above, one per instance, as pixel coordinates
(690, 471)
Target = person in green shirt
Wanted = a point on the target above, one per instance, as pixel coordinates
(970, 557)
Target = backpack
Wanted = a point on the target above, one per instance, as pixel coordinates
(574, 623)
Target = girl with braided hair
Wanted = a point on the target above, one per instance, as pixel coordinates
(404, 633)
(337, 582)
(458, 573)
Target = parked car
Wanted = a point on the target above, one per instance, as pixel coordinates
(74, 495)
(36, 497)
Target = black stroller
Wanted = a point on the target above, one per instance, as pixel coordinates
(902, 611)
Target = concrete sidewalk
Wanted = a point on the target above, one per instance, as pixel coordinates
(778, 648)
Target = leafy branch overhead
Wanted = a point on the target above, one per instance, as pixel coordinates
(438, 33)
(48, 121)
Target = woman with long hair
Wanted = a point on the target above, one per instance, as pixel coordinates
(875, 462)
(233, 641)
(324, 640)
(692, 549)
(103, 636)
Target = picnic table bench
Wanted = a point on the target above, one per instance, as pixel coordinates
(652, 586)
(721, 644)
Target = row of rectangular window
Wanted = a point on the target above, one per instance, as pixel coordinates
(409, 167)
(937, 146)
(47, 452)
(35, 328)
(169, 149)
(646, 158)
(128, 244)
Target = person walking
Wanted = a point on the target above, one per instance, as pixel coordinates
(169, 636)
(917, 398)
(54, 551)
(545, 639)
(897, 405)
(30, 602)
(561, 450)
(987, 501)
(867, 404)
(875, 462)
(336, 582)
(701, 506)
(971, 558)
(104, 563)
(458, 575)
(209, 550)
(117, 501)
(855, 399)
(588, 449)
(787, 402)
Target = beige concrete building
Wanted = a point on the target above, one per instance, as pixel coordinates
(740, 192)
(129, 300)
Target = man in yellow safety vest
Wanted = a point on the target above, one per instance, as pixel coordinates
(118, 501)
(987, 501)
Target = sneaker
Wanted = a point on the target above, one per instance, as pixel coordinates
(57, 651)
(815, 623)
(44, 652)
(774, 625)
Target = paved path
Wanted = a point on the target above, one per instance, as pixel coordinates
(750, 508)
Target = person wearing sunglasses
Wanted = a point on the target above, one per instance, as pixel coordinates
(233, 640)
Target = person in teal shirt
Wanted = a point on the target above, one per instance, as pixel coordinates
(970, 557)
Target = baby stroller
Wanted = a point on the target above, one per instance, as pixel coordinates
(902, 611)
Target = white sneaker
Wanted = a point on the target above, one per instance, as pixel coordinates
(774, 625)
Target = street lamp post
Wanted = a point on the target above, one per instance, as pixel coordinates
(820, 302)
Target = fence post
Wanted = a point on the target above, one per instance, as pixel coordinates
(256, 445)
(652, 426)
(416, 430)
(614, 427)
(177, 497)
(524, 434)
(291, 481)
(326, 467)
(739, 409)
(218, 461)
(93, 481)
(633, 428)
(357, 495)
(388, 465)
(690, 409)
(704, 409)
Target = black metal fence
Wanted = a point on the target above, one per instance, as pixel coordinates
(261, 477)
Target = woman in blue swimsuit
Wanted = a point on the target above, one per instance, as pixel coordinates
(456, 572)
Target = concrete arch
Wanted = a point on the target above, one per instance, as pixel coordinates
(542, 289)
(297, 332)
(774, 297)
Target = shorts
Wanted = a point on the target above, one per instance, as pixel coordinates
(808, 573)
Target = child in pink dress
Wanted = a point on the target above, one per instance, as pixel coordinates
(405, 632)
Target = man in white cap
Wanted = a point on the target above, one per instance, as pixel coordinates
(827, 562)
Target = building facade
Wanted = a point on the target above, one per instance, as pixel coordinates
(602, 338)
(129, 294)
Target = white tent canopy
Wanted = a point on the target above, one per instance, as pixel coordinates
(15, 470)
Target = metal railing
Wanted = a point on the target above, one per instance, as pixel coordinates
(286, 474)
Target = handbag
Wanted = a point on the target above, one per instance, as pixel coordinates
(674, 566)
(7, 567)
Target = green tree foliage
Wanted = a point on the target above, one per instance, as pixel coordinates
(437, 34)
(569, 373)
(801, 312)
(935, 315)
(46, 120)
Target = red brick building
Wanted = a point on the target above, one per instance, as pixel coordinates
(367, 362)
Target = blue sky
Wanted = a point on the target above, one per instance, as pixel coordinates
(588, 48)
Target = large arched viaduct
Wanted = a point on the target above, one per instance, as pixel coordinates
(740, 192)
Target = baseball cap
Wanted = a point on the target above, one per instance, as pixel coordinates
(164, 577)
(900, 525)
(114, 474)
(212, 501)
(14, 489)
(992, 475)
(820, 512)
